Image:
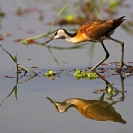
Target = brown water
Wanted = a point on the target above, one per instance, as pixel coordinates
(33, 113)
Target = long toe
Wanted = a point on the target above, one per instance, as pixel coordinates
(127, 65)
(118, 70)
(93, 70)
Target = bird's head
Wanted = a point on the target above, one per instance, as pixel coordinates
(61, 106)
(58, 34)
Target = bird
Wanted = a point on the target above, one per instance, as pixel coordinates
(95, 31)
(98, 110)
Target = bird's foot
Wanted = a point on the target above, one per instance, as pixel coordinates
(128, 66)
(93, 70)
(118, 70)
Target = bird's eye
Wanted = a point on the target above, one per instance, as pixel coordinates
(55, 33)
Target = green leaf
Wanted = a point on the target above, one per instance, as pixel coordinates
(78, 71)
(16, 92)
(77, 78)
(13, 58)
(14, 89)
(27, 79)
(27, 69)
(46, 74)
(69, 17)
(74, 74)
(50, 72)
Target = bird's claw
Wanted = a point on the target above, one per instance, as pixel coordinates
(93, 70)
(128, 66)
(118, 70)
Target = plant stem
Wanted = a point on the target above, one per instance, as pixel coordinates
(49, 30)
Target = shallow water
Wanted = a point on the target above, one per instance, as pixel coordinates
(32, 112)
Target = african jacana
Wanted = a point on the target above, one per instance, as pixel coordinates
(98, 110)
(96, 31)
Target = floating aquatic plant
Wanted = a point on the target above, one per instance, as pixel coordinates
(50, 74)
(84, 74)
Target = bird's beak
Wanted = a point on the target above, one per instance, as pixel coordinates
(54, 103)
(50, 100)
(50, 39)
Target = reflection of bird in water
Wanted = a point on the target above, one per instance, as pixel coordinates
(94, 109)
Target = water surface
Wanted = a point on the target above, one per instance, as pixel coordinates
(33, 113)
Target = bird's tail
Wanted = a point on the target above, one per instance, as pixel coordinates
(121, 19)
(118, 21)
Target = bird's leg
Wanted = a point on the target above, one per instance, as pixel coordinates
(106, 57)
(122, 53)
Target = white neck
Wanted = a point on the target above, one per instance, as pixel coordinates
(70, 39)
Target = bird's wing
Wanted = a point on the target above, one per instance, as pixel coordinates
(97, 29)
